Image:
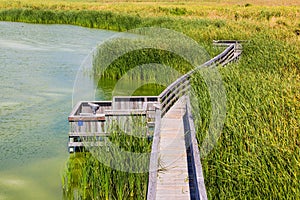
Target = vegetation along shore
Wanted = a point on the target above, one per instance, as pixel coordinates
(258, 153)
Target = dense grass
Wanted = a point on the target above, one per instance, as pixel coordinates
(88, 178)
(102, 173)
(258, 153)
(185, 16)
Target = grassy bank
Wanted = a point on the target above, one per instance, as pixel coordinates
(232, 19)
(258, 153)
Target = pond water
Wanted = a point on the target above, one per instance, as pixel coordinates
(38, 66)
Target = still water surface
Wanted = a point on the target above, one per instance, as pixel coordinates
(38, 66)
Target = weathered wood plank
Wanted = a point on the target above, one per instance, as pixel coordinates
(172, 180)
(88, 144)
(86, 118)
(90, 134)
(125, 112)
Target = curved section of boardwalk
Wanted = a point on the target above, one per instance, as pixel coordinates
(173, 177)
(175, 170)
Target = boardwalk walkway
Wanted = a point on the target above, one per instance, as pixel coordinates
(172, 180)
(175, 170)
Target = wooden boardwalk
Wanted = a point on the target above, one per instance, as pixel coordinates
(175, 170)
(173, 178)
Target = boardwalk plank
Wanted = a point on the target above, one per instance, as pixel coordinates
(172, 181)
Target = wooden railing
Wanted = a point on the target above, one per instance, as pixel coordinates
(195, 173)
(167, 99)
(180, 87)
(83, 122)
(154, 158)
(173, 92)
(85, 125)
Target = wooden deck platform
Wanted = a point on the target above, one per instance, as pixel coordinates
(173, 179)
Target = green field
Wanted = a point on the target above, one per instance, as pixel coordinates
(258, 153)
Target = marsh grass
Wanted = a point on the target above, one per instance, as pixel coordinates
(91, 174)
(258, 153)
(141, 57)
(87, 178)
(234, 21)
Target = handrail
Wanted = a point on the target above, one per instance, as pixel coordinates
(153, 166)
(167, 99)
(170, 93)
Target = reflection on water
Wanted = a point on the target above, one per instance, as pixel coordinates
(38, 65)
